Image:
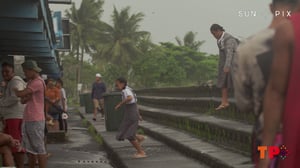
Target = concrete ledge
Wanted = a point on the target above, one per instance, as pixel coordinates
(120, 153)
(232, 135)
(193, 91)
(198, 105)
(191, 146)
(57, 137)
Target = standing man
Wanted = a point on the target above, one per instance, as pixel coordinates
(227, 51)
(34, 117)
(98, 89)
(12, 109)
(282, 97)
(251, 72)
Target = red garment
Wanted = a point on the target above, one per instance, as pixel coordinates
(291, 116)
(13, 127)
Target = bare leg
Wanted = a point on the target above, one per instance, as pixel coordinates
(96, 104)
(225, 96)
(31, 160)
(19, 159)
(42, 161)
(8, 159)
(95, 113)
(138, 147)
(140, 138)
(102, 107)
(56, 125)
(224, 103)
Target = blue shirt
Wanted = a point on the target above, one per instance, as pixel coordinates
(97, 90)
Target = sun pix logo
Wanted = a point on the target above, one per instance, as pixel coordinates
(273, 152)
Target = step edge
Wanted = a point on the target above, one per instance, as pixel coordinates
(197, 152)
(190, 115)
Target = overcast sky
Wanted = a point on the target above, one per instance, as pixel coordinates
(166, 19)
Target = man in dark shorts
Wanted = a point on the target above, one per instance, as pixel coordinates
(98, 89)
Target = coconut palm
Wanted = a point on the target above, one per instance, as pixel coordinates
(84, 23)
(189, 41)
(119, 42)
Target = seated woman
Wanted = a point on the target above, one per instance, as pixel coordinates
(52, 96)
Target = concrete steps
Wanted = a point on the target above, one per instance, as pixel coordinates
(194, 91)
(120, 152)
(200, 105)
(230, 135)
(190, 145)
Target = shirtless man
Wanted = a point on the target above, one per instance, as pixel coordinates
(281, 102)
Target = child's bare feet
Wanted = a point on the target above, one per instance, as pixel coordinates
(140, 155)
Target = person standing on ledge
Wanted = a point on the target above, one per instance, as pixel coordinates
(227, 50)
(98, 89)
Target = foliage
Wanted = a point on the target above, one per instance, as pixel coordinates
(123, 49)
(84, 22)
(189, 41)
(156, 69)
(118, 42)
(89, 71)
(171, 65)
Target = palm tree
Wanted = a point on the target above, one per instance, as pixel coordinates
(189, 41)
(84, 23)
(119, 42)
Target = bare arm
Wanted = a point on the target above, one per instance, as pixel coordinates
(128, 99)
(25, 99)
(23, 93)
(277, 85)
(6, 139)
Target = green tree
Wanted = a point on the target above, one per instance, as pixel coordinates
(84, 22)
(158, 69)
(89, 70)
(189, 41)
(208, 68)
(171, 65)
(118, 43)
(187, 58)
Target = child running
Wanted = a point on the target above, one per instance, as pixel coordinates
(131, 118)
